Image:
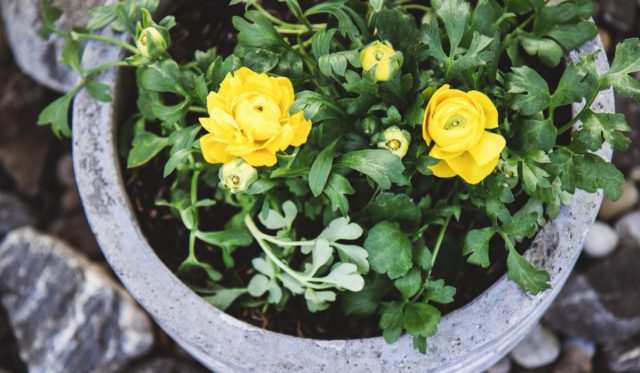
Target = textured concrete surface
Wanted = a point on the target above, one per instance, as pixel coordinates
(470, 339)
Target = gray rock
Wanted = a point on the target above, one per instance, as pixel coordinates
(624, 357)
(502, 366)
(39, 58)
(601, 240)
(621, 14)
(540, 348)
(67, 314)
(574, 360)
(628, 229)
(604, 305)
(164, 365)
(14, 213)
(611, 209)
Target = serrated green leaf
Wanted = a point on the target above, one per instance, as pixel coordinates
(99, 90)
(476, 245)
(593, 173)
(454, 15)
(600, 127)
(392, 321)
(530, 91)
(57, 115)
(395, 207)
(547, 49)
(523, 273)
(421, 319)
(337, 188)
(437, 291)
(410, 284)
(366, 302)
(389, 250)
(626, 61)
(532, 135)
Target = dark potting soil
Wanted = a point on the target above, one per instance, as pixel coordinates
(202, 25)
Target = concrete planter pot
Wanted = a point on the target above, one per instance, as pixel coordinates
(469, 339)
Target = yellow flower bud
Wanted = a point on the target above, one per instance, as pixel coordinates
(237, 175)
(249, 118)
(457, 122)
(396, 141)
(381, 56)
(151, 42)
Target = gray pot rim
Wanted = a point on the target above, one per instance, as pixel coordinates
(469, 339)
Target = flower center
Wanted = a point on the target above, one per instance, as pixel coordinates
(393, 144)
(379, 55)
(235, 179)
(143, 39)
(454, 122)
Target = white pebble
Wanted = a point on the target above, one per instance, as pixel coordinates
(601, 240)
(540, 348)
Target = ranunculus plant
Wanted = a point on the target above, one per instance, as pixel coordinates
(361, 148)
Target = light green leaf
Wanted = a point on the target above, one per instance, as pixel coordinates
(410, 284)
(345, 276)
(224, 298)
(146, 145)
(599, 127)
(439, 292)
(626, 61)
(454, 15)
(57, 115)
(421, 319)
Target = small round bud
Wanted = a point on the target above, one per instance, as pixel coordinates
(237, 176)
(383, 58)
(151, 42)
(396, 141)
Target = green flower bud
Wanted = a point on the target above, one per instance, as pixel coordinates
(237, 175)
(151, 42)
(381, 57)
(396, 141)
(369, 125)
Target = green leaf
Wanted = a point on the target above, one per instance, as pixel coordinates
(201, 89)
(224, 298)
(229, 239)
(410, 284)
(478, 54)
(397, 27)
(346, 17)
(572, 36)
(318, 300)
(529, 278)
(163, 76)
(439, 292)
(578, 81)
(316, 106)
(101, 16)
(600, 127)
(476, 244)
(341, 229)
(72, 54)
(379, 164)
(593, 173)
(337, 188)
(366, 89)
(260, 60)
(321, 168)
(345, 276)
(256, 31)
(547, 49)
(389, 250)
(454, 15)
(146, 145)
(392, 321)
(533, 134)
(57, 115)
(50, 15)
(626, 61)
(395, 207)
(98, 90)
(376, 5)
(530, 91)
(421, 319)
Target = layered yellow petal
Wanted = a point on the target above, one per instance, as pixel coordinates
(489, 147)
(489, 108)
(214, 152)
(441, 169)
(469, 170)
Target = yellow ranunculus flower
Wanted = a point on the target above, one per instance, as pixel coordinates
(249, 119)
(382, 56)
(456, 122)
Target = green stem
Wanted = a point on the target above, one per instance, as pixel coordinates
(197, 109)
(260, 237)
(108, 40)
(436, 248)
(576, 118)
(426, 9)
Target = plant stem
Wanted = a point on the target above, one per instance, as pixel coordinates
(108, 40)
(436, 248)
(197, 109)
(576, 118)
(425, 9)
